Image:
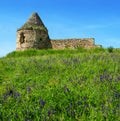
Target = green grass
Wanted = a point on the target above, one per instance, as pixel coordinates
(60, 85)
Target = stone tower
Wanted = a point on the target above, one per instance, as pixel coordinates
(33, 34)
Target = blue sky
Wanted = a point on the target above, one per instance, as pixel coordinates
(64, 19)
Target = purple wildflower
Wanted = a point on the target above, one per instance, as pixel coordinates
(27, 119)
(116, 94)
(102, 77)
(75, 60)
(11, 92)
(42, 102)
(5, 96)
(51, 112)
(79, 103)
(66, 89)
(16, 115)
(17, 94)
(71, 104)
(8, 93)
(28, 89)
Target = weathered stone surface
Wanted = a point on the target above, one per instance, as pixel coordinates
(87, 43)
(35, 20)
(34, 34)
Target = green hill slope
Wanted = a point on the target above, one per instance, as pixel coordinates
(60, 85)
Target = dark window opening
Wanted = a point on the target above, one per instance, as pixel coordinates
(40, 39)
(22, 38)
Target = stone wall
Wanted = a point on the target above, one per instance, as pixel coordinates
(32, 39)
(27, 39)
(87, 43)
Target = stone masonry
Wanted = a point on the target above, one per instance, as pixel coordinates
(34, 34)
(87, 43)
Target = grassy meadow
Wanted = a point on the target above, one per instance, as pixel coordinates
(60, 85)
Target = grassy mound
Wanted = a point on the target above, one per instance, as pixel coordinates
(60, 85)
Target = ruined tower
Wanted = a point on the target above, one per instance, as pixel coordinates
(33, 34)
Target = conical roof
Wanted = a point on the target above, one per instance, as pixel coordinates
(34, 22)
